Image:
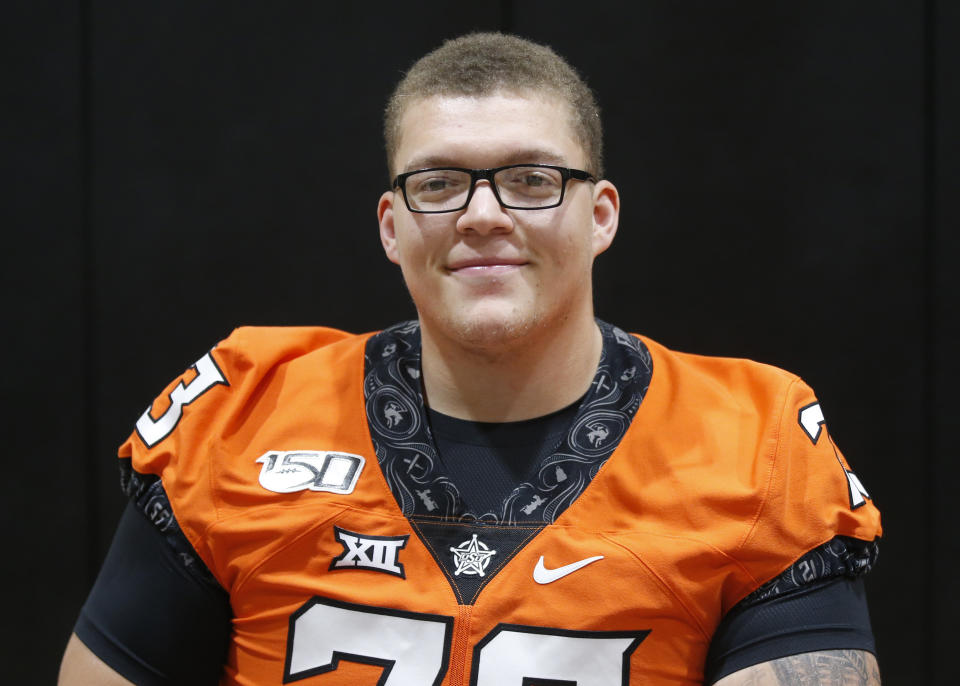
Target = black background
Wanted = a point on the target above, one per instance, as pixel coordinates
(788, 173)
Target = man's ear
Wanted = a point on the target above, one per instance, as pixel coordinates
(606, 215)
(388, 235)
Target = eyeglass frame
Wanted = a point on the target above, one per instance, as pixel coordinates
(566, 174)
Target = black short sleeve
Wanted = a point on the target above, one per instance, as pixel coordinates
(148, 617)
(819, 603)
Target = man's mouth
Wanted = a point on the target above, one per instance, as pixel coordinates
(486, 265)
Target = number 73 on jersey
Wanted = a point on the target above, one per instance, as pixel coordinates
(413, 649)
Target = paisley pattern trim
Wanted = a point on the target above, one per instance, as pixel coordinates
(408, 455)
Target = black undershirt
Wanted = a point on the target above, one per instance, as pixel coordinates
(148, 617)
(487, 460)
(156, 622)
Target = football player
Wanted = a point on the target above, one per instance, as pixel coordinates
(504, 492)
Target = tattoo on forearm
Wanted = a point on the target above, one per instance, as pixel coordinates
(827, 668)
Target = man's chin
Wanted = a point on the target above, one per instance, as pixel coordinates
(491, 332)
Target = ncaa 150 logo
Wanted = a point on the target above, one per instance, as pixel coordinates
(288, 471)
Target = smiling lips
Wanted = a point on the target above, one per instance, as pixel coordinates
(486, 265)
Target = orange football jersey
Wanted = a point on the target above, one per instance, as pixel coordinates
(724, 475)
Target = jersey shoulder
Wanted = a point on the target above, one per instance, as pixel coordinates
(246, 357)
(772, 416)
(738, 455)
(261, 397)
(752, 398)
(739, 381)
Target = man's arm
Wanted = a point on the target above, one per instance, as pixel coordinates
(822, 668)
(150, 617)
(80, 667)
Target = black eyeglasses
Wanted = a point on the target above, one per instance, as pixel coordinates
(516, 186)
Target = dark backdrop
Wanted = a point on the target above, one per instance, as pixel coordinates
(788, 173)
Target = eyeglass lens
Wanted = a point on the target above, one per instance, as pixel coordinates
(447, 189)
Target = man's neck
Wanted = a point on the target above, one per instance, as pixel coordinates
(544, 372)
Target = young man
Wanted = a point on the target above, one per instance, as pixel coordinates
(504, 492)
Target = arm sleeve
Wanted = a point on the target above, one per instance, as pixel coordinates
(819, 603)
(155, 615)
(810, 495)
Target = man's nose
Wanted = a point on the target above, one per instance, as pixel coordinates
(484, 214)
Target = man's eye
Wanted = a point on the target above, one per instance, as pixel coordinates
(434, 185)
(535, 180)
(437, 184)
(531, 179)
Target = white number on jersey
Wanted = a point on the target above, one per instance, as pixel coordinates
(152, 431)
(414, 648)
(513, 655)
(812, 421)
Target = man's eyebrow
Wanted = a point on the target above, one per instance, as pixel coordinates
(531, 155)
(430, 161)
(536, 156)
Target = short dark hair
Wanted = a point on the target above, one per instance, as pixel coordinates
(479, 64)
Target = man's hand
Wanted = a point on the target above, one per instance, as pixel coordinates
(825, 668)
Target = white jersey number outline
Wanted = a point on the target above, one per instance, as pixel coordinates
(812, 422)
(414, 648)
(152, 431)
(513, 655)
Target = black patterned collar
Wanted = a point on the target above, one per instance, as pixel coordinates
(408, 456)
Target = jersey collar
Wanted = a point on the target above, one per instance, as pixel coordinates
(407, 453)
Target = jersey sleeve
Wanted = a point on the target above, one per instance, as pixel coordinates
(810, 496)
(177, 437)
(170, 442)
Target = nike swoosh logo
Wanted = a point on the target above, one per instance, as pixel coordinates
(542, 575)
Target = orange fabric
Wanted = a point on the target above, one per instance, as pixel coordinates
(715, 489)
